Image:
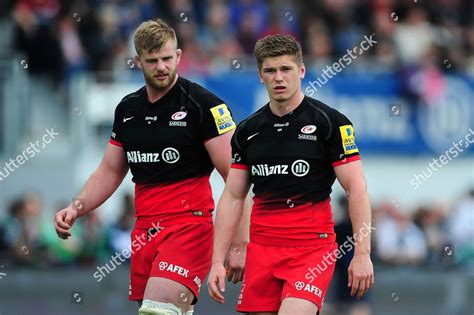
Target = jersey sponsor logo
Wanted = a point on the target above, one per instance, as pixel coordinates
(267, 170)
(154, 118)
(138, 157)
(278, 125)
(308, 129)
(222, 118)
(170, 155)
(125, 119)
(174, 123)
(179, 115)
(176, 117)
(300, 168)
(165, 266)
(348, 139)
(300, 285)
(307, 137)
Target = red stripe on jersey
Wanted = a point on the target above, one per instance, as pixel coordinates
(289, 224)
(114, 142)
(345, 161)
(155, 202)
(240, 166)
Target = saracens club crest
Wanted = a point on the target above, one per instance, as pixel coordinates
(176, 119)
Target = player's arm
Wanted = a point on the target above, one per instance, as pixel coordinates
(361, 272)
(229, 213)
(219, 150)
(98, 188)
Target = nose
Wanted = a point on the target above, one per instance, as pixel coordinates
(160, 65)
(278, 76)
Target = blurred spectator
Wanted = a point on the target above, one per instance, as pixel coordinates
(71, 47)
(35, 36)
(93, 240)
(461, 229)
(22, 230)
(414, 36)
(399, 240)
(118, 235)
(345, 303)
(432, 221)
(61, 253)
(250, 19)
(318, 45)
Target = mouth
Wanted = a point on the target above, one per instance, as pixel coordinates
(161, 77)
(279, 88)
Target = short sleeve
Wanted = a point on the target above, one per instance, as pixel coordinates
(239, 154)
(340, 144)
(115, 137)
(217, 118)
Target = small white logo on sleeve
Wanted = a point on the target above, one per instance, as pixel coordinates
(308, 129)
(125, 119)
(178, 115)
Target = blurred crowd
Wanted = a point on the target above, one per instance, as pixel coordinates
(28, 238)
(60, 38)
(432, 235)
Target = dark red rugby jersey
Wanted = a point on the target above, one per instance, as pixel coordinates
(163, 143)
(291, 162)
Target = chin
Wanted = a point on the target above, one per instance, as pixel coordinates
(280, 98)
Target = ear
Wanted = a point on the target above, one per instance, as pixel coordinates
(138, 62)
(179, 53)
(302, 71)
(260, 76)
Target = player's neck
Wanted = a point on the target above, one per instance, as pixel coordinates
(283, 108)
(154, 94)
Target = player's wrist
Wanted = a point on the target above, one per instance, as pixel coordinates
(362, 252)
(218, 260)
(239, 242)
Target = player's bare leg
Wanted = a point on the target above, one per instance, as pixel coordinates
(291, 306)
(171, 293)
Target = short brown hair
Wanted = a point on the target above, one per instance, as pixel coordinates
(152, 34)
(275, 46)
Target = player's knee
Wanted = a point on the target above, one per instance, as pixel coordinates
(150, 307)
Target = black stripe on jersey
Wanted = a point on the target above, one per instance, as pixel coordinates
(132, 95)
(201, 114)
(325, 116)
(244, 122)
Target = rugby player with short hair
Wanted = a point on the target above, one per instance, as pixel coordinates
(171, 134)
(291, 150)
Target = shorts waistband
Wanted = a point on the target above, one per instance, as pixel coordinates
(204, 216)
(320, 239)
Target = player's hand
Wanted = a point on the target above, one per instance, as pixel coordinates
(361, 275)
(235, 263)
(216, 283)
(63, 221)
